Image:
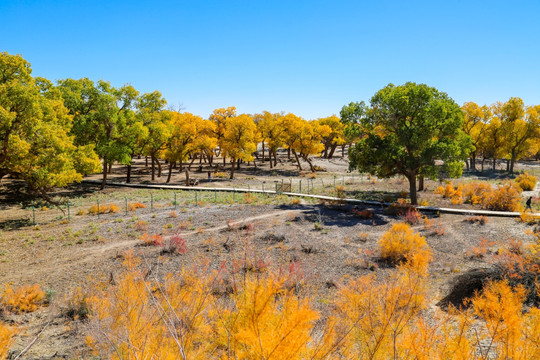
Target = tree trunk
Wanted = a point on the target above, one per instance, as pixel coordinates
(512, 162)
(181, 168)
(507, 165)
(153, 169)
(159, 167)
(412, 188)
(110, 168)
(263, 152)
(483, 160)
(104, 181)
(275, 157)
(232, 168)
(310, 163)
(146, 161)
(187, 178)
(421, 183)
(238, 164)
(473, 161)
(224, 160)
(494, 164)
(128, 179)
(343, 150)
(170, 172)
(332, 150)
(297, 160)
(289, 154)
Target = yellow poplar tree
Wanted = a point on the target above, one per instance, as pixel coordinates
(475, 124)
(239, 140)
(335, 138)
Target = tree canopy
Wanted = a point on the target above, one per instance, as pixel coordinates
(35, 140)
(408, 128)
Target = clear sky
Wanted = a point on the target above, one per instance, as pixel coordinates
(305, 57)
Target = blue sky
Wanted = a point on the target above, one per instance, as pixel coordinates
(305, 57)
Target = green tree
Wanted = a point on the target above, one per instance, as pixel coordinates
(150, 110)
(351, 117)
(35, 144)
(102, 117)
(408, 128)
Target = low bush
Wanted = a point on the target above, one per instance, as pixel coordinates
(26, 298)
(479, 219)
(6, 339)
(103, 209)
(152, 240)
(136, 205)
(401, 243)
(526, 182)
(77, 305)
(505, 197)
(141, 225)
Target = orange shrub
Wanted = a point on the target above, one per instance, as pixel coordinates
(526, 182)
(25, 298)
(505, 198)
(6, 339)
(476, 191)
(135, 206)
(402, 243)
(141, 225)
(103, 209)
(152, 240)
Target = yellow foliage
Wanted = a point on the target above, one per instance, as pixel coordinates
(402, 243)
(504, 198)
(25, 298)
(135, 206)
(103, 209)
(526, 182)
(6, 339)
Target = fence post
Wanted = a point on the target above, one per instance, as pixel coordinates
(334, 181)
(151, 201)
(175, 202)
(215, 195)
(196, 200)
(300, 186)
(69, 213)
(34, 215)
(125, 203)
(234, 195)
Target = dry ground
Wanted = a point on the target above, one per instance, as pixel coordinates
(327, 241)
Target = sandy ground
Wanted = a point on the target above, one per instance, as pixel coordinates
(328, 241)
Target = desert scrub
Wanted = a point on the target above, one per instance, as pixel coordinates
(401, 243)
(6, 339)
(103, 209)
(526, 182)
(77, 305)
(26, 298)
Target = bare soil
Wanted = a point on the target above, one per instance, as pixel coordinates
(328, 241)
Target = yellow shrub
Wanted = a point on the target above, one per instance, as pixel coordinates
(135, 206)
(402, 243)
(476, 191)
(526, 182)
(6, 339)
(505, 198)
(25, 298)
(103, 209)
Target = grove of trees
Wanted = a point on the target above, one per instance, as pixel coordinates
(53, 134)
